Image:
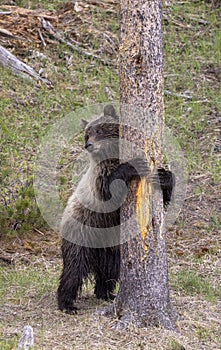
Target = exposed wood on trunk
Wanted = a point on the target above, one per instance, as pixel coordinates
(8, 60)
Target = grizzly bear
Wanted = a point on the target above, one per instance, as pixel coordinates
(90, 226)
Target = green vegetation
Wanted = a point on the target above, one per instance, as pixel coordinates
(36, 4)
(8, 344)
(192, 74)
(23, 283)
(192, 101)
(173, 344)
(215, 222)
(191, 282)
(21, 286)
(28, 112)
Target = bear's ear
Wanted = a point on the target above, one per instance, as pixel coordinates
(110, 111)
(84, 123)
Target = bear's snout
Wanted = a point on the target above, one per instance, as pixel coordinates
(89, 146)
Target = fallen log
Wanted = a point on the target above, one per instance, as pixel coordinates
(8, 60)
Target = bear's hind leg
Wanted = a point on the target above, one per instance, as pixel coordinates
(75, 268)
(107, 270)
(104, 289)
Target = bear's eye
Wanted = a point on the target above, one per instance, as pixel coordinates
(99, 131)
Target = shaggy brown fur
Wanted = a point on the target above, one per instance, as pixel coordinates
(90, 224)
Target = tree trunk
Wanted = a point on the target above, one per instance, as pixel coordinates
(143, 297)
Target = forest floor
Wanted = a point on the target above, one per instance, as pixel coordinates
(79, 76)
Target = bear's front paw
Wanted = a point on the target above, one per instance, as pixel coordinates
(166, 178)
(67, 307)
(139, 167)
(70, 310)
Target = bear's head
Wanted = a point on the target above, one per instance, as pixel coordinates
(102, 135)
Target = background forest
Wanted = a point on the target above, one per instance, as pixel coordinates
(74, 50)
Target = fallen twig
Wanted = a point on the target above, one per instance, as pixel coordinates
(38, 231)
(42, 38)
(167, 92)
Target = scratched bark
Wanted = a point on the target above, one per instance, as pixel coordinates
(143, 297)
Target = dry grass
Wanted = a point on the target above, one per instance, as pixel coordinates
(30, 299)
(199, 327)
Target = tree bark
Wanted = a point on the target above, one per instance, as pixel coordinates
(143, 297)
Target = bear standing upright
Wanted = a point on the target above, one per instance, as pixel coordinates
(90, 225)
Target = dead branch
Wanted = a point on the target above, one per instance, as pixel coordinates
(3, 13)
(47, 26)
(7, 59)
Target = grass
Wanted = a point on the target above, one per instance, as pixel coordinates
(32, 111)
(27, 293)
(192, 283)
(8, 344)
(28, 110)
(190, 60)
(173, 344)
(23, 287)
(215, 222)
(36, 4)
(22, 283)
